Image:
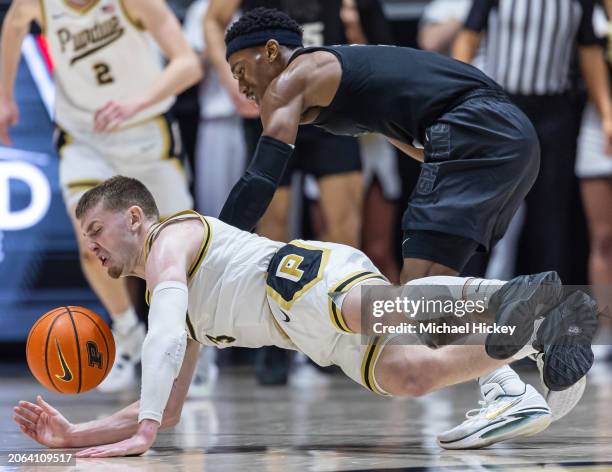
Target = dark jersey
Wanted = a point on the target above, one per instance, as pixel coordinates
(320, 19)
(395, 91)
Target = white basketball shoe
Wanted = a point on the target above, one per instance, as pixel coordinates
(502, 416)
(205, 376)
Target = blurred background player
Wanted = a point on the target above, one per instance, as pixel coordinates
(594, 169)
(333, 160)
(528, 51)
(112, 95)
(381, 180)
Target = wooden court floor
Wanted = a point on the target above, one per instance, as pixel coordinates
(328, 425)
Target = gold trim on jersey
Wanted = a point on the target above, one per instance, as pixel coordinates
(202, 251)
(286, 304)
(82, 10)
(343, 286)
(375, 347)
(133, 21)
(201, 254)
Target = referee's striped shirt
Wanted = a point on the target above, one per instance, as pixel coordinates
(530, 42)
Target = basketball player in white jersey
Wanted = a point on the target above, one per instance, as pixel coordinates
(112, 94)
(214, 284)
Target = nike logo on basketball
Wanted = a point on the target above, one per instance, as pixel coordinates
(287, 319)
(67, 375)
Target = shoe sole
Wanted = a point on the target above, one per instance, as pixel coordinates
(516, 427)
(521, 297)
(565, 338)
(561, 403)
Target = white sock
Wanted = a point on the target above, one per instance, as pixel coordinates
(506, 378)
(464, 288)
(124, 322)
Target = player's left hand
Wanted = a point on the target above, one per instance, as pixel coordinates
(113, 113)
(138, 444)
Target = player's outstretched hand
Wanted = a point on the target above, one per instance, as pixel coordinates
(136, 445)
(9, 116)
(113, 113)
(43, 423)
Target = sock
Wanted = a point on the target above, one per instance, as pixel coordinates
(466, 288)
(124, 322)
(453, 284)
(506, 378)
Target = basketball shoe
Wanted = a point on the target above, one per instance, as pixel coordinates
(205, 376)
(509, 409)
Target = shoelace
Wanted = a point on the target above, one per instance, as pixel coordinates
(477, 411)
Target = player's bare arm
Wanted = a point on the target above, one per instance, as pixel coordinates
(292, 98)
(15, 27)
(48, 426)
(217, 18)
(164, 347)
(183, 68)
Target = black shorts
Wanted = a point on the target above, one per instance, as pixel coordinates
(481, 159)
(317, 152)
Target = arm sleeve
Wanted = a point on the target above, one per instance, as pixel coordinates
(375, 25)
(248, 200)
(586, 33)
(163, 349)
(479, 15)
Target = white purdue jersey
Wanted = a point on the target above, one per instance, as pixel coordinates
(99, 54)
(227, 286)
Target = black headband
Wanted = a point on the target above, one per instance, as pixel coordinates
(259, 38)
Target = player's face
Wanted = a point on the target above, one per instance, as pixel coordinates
(110, 236)
(254, 70)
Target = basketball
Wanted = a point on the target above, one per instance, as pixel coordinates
(70, 349)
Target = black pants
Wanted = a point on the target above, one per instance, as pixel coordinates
(546, 242)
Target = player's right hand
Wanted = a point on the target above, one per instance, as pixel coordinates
(9, 116)
(43, 423)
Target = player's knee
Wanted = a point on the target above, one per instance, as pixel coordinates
(408, 376)
(417, 382)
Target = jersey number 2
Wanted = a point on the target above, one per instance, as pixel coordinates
(103, 73)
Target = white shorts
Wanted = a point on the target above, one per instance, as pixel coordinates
(301, 278)
(380, 162)
(592, 161)
(149, 152)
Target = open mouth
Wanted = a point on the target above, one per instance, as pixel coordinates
(104, 260)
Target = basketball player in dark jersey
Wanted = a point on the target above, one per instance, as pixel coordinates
(480, 153)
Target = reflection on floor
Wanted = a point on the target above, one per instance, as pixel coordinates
(334, 425)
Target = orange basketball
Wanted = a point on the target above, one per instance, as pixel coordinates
(70, 349)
